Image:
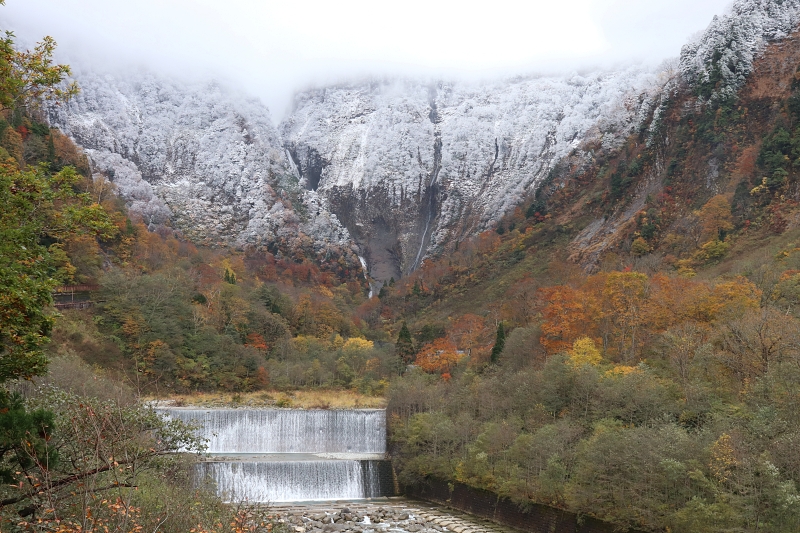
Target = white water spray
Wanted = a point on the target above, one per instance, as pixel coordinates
(232, 431)
(366, 276)
(286, 481)
(284, 455)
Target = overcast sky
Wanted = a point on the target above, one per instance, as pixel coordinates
(273, 48)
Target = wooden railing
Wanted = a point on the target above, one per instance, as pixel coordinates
(67, 289)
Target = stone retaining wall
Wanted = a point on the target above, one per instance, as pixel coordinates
(485, 504)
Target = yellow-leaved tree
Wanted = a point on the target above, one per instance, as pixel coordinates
(584, 352)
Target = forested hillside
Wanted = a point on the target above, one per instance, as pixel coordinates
(170, 316)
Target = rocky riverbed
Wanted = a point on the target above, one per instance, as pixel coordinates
(395, 515)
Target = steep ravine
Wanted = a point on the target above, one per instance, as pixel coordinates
(432, 191)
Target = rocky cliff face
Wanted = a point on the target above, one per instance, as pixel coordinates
(403, 168)
(202, 155)
(411, 168)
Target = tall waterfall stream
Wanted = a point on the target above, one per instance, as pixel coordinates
(286, 455)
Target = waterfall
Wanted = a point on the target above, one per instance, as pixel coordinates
(280, 455)
(366, 276)
(289, 430)
(437, 166)
(286, 481)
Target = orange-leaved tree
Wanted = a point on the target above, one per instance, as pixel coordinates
(469, 333)
(568, 314)
(715, 218)
(624, 303)
(439, 357)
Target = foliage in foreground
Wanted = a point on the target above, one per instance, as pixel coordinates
(103, 465)
(83, 451)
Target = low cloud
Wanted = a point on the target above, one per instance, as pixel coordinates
(272, 49)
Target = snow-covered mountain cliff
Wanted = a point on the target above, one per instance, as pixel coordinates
(203, 155)
(410, 167)
(395, 169)
(401, 166)
(721, 58)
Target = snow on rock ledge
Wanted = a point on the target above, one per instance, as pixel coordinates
(409, 167)
(404, 168)
(205, 156)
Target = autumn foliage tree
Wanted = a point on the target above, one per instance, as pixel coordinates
(37, 206)
(624, 311)
(29, 77)
(439, 357)
(624, 299)
(567, 314)
(470, 334)
(584, 352)
(715, 218)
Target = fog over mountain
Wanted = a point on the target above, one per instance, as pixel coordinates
(273, 49)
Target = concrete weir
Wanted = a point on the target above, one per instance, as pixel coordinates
(290, 455)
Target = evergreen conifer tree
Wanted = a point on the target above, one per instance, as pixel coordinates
(499, 343)
(405, 345)
(416, 290)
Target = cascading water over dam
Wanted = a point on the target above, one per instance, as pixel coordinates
(283, 455)
(297, 480)
(289, 430)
